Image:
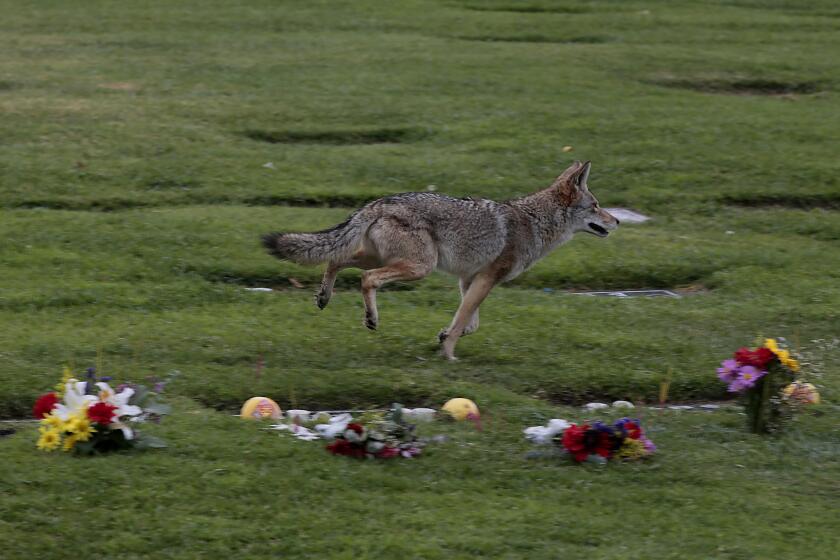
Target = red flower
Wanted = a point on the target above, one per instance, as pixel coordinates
(573, 442)
(632, 429)
(358, 428)
(758, 358)
(604, 445)
(388, 452)
(44, 405)
(344, 447)
(101, 413)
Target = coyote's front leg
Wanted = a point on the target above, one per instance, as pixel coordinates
(472, 326)
(475, 294)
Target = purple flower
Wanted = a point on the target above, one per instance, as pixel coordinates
(91, 373)
(728, 371)
(650, 447)
(747, 378)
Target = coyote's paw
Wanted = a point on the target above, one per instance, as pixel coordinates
(469, 329)
(370, 321)
(442, 335)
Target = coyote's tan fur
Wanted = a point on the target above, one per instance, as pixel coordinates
(482, 242)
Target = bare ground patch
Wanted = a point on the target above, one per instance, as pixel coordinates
(785, 200)
(744, 86)
(530, 9)
(532, 38)
(336, 137)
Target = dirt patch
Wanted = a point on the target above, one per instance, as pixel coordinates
(257, 283)
(313, 201)
(744, 86)
(336, 137)
(106, 205)
(798, 201)
(530, 9)
(585, 40)
(167, 184)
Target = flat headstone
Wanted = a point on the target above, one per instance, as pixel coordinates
(628, 216)
(632, 293)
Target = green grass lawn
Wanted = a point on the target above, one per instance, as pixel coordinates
(145, 147)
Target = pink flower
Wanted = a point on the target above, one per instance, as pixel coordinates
(728, 371)
(747, 378)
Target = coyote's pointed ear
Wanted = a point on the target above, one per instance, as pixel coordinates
(572, 182)
(582, 175)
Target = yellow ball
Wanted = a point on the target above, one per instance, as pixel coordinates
(258, 408)
(805, 393)
(460, 409)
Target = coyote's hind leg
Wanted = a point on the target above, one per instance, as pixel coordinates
(322, 298)
(359, 260)
(372, 280)
(408, 253)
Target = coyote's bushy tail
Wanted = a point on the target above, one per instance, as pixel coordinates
(336, 244)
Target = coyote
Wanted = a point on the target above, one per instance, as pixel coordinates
(482, 242)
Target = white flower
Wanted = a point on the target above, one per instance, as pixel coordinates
(119, 400)
(623, 404)
(336, 426)
(75, 399)
(128, 433)
(543, 435)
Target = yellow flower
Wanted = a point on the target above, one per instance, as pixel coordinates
(70, 442)
(772, 345)
(49, 440)
(631, 449)
(52, 421)
(82, 429)
(787, 361)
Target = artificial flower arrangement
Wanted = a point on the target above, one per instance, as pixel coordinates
(761, 376)
(89, 417)
(375, 436)
(623, 440)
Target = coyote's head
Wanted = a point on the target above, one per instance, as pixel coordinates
(580, 206)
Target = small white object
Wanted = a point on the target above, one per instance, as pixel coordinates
(681, 407)
(710, 406)
(336, 426)
(627, 216)
(299, 415)
(259, 289)
(543, 435)
(596, 406)
(419, 414)
(269, 165)
(297, 431)
(623, 404)
(431, 188)
(730, 232)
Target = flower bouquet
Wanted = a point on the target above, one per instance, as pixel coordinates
(379, 436)
(89, 417)
(597, 442)
(760, 376)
